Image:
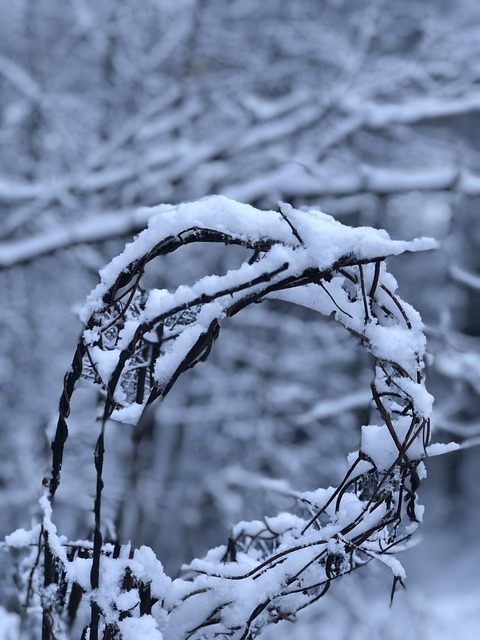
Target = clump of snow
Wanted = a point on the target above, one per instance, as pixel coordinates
(393, 343)
(128, 415)
(378, 445)
(79, 571)
(127, 600)
(358, 466)
(422, 400)
(23, 538)
(144, 628)
(148, 568)
(105, 361)
(350, 508)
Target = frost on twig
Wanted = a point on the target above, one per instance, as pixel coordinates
(135, 346)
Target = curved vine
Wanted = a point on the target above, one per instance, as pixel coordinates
(135, 346)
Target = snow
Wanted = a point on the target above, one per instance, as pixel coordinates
(285, 550)
(397, 109)
(393, 564)
(92, 228)
(461, 366)
(127, 600)
(144, 628)
(9, 625)
(22, 538)
(379, 445)
(395, 344)
(416, 110)
(105, 361)
(439, 449)
(328, 408)
(264, 133)
(322, 179)
(168, 364)
(148, 568)
(130, 414)
(325, 236)
(302, 240)
(79, 571)
(55, 542)
(470, 280)
(422, 400)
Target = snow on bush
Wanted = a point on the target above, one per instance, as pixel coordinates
(137, 343)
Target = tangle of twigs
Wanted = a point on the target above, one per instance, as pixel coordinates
(269, 569)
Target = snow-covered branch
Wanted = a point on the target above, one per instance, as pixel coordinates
(178, 156)
(469, 280)
(94, 228)
(136, 345)
(296, 180)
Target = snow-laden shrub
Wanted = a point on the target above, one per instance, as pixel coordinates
(136, 344)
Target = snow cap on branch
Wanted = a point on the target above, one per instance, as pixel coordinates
(136, 345)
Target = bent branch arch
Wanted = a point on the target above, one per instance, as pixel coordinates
(135, 346)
